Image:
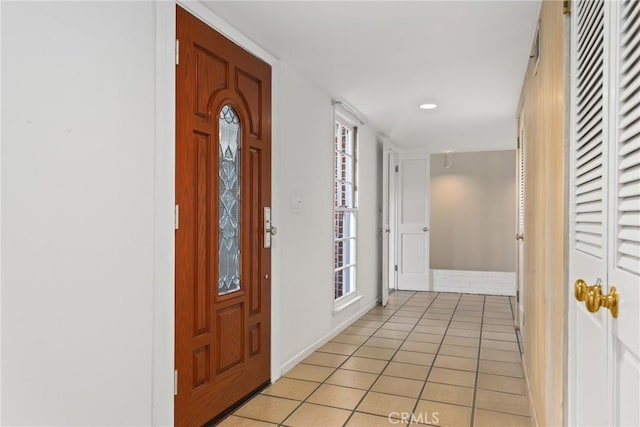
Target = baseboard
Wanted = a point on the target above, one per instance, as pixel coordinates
(534, 415)
(326, 338)
(474, 282)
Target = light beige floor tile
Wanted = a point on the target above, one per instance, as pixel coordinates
(436, 330)
(383, 342)
(363, 364)
(453, 362)
(310, 415)
(291, 389)
(448, 393)
(451, 376)
(385, 404)
(413, 357)
(368, 323)
(390, 333)
(502, 383)
(267, 408)
(408, 313)
(498, 315)
(349, 339)
(443, 414)
(504, 322)
(497, 328)
(464, 341)
(336, 396)
(397, 326)
(486, 418)
(422, 347)
(503, 402)
(407, 370)
(436, 316)
(325, 359)
(404, 319)
(359, 419)
(398, 386)
(355, 379)
(501, 368)
(468, 333)
(500, 345)
(434, 322)
(234, 421)
(359, 330)
(472, 326)
(499, 336)
(309, 372)
(459, 351)
(416, 336)
(375, 353)
(338, 348)
(500, 356)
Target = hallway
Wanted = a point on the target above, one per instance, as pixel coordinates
(448, 359)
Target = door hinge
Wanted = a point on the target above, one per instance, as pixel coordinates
(566, 7)
(177, 52)
(518, 143)
(175, 382)
(517, 296)
(176, 217)
(397, 168)
(395, 267)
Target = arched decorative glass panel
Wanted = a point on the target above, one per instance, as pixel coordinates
(229, 201)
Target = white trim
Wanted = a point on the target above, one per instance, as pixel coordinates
(207, 16)
(163, 345)
(0, 221)
(286, 366)
(473, 282)
(346, 301)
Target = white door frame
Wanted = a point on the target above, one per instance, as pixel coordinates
(389, 227)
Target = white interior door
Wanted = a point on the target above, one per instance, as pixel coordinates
(604, 352)
(413, 221)
(624, 212)
(389, 215)
(587, 248)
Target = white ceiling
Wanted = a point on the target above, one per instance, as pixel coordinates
(387, 57)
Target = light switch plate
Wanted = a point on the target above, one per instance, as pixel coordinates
(296, 204)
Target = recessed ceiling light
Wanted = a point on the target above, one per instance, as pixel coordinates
(428, 106)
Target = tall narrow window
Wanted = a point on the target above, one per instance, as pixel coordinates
(345, 214)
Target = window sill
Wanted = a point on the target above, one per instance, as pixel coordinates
(341, 305)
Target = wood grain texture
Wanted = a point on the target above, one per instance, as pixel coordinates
(222, 341)
(545, 231)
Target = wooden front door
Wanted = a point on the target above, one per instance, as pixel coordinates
(223, 184)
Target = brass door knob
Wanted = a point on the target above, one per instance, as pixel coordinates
(594, 299)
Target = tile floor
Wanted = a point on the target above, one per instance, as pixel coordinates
(445, 359)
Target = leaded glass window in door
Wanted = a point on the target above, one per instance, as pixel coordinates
(229, 201)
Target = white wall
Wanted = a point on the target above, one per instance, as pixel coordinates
(473, 211)
(305, 239)
(77, 212)
(86, 185)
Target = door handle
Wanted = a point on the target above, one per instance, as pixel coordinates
(269, 229)
(425, 229)
(520, 236)
(594, 299)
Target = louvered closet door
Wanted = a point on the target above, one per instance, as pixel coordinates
(604, 353)
(588, 331)
(624, 228)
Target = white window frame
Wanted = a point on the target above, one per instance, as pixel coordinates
(352, 296)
